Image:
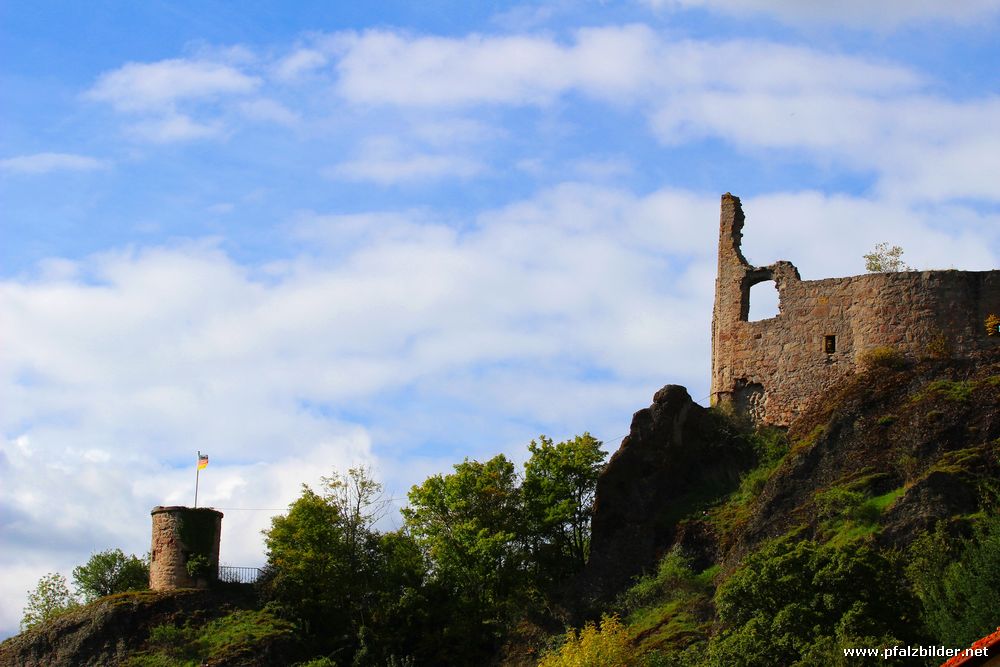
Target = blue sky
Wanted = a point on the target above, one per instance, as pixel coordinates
(302, 236)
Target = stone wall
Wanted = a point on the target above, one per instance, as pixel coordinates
(178, 534)
(771, 369)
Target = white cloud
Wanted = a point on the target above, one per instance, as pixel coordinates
(390, 68)
(885, 14)
(299, 62)
(268, 110)
(174, 127)
(153, 86)
(43, 163)
(621, 64)
(857, 113)
(788, 225)
(385, 162)
(862, 114)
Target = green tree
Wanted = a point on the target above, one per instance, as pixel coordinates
(958, 581)
(469, 524)
(886, 259)
(795, 599)
(559, 484)
(110, 572)
(344, 582)
(50, 598)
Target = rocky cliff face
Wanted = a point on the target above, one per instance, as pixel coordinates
(919, 444)
(676, 454)
(929, 432)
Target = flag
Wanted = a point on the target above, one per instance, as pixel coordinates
(202, 461)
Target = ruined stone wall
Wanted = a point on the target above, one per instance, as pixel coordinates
(771, 369)
(178, 534)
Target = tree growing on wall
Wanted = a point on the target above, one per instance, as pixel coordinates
(886, 259)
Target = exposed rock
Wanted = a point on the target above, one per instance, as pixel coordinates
(937, 496)
(929, 432)
(882, 431)
(107, 631)
(675, 448)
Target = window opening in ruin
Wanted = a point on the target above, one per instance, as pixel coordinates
(829, 344)
(763, 301)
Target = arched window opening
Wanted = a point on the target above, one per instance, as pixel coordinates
(763, 301)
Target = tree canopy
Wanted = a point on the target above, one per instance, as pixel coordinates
(50, 598)
(109, 572)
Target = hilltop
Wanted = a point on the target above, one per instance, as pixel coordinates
(891, 474)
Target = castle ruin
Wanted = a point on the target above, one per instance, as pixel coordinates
(772, 368)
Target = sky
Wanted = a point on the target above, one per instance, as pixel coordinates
(306, 236)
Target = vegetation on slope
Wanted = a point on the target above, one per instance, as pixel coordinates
(876, 525)
(871, 523)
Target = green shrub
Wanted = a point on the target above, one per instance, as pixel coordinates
(241, 633)
(606, 646)
(938, 347)
(110, 572)
(883, 356)
(792, 599)
(198, 566)
(838, 503)
(673, 578)
(951, 390)
(958, 581)
(886, 420)
(51, 598)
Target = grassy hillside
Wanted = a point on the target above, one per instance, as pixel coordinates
(871, 522)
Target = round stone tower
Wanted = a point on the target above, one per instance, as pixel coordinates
(181, 534)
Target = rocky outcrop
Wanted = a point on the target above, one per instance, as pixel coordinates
(108, 631)
(930, 431)
(926, 437)
(676, 454)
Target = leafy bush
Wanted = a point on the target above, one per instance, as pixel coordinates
(607, 646)
(234, 637)
(992, 325)
(885, 259)
(673, 578)
(198, 566)
(791, 597)
(883, 356)
(51, 598)
(110, 572)
(958, 391)
(838, 503)
(886, 420)
(958, 584)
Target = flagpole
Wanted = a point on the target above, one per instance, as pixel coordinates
(197, 473)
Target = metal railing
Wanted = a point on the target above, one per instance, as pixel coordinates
(238, 575)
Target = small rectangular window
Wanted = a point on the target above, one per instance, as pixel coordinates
(829, 344)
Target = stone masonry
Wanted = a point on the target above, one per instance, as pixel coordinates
(169, 553)
(771, 369)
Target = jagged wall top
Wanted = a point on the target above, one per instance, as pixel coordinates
(772, 368)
